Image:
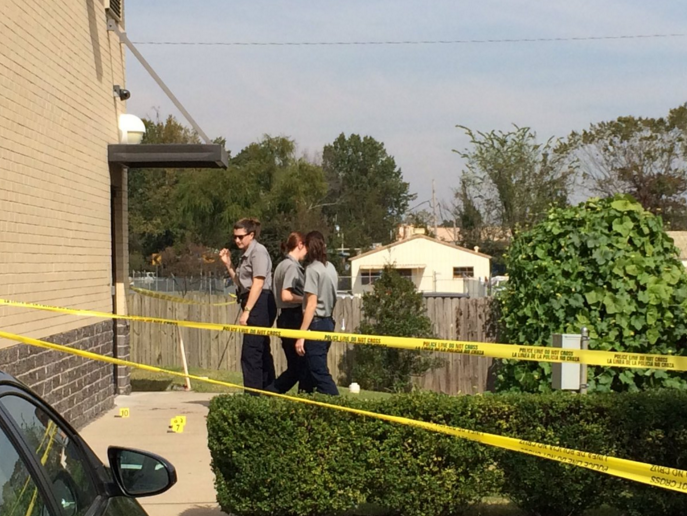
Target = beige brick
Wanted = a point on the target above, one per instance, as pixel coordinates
(58, 116)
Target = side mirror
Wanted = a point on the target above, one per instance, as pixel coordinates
(140, 473)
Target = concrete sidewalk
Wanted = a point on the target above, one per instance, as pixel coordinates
(147, 429)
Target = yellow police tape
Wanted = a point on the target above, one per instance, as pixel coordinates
(659, 476)
(507, 351)
(177, 299)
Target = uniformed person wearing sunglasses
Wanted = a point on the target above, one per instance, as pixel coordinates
(253, 280)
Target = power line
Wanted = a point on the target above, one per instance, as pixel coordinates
(418, 42)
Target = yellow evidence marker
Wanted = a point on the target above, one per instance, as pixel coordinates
(177, 424)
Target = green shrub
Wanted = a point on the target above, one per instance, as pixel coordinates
(277, 458)
(394, 307)
(426, 473)
(605, 264)
(545, 487)
(651, 427)
(272, 457)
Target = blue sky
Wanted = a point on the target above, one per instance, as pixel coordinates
(410, 97)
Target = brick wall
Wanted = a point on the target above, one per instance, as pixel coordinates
(122, 350)
(58, 66)
(79, 389)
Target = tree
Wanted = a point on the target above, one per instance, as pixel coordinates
(394, 307)
(265, 180)
(607, 265)
(207, 203)
(510, 180)
(366, 194)
(211, 201)
(468, 216)
(474, 232)
(294, 203)
(421, 219)
(154, 223)
(188, 264)
(643, 157)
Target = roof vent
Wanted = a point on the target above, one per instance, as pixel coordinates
(115, 9)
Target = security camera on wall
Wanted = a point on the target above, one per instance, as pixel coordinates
(120, 92)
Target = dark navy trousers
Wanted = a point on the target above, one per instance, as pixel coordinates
(316, 358)
(296, 367)
(257, 364)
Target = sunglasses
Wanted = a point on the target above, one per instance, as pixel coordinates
(241, 237)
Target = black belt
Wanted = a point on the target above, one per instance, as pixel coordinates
(318, 318)
(244, 295)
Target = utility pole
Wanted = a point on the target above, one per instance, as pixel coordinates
(434, 210)
(455, 231)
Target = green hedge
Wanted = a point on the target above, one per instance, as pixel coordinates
(272, 457)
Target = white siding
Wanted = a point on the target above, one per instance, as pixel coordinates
(432, 264)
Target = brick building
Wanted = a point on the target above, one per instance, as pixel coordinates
(63, 216)
(62, 203)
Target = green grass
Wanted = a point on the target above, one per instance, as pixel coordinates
(368, 395)
(146, 381)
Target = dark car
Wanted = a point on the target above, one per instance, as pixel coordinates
(47, 469)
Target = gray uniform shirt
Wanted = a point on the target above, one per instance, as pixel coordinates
(255, 261)
(288, 275)
(322, 280)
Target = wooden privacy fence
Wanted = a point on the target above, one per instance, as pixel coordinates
(453, 319)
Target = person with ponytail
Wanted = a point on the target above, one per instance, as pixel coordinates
(253, 280)
(288, 293)
(321, 282)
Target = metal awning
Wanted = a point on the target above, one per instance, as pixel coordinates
(168, 155)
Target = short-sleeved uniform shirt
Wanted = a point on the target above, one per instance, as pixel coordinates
(255, 261)
(288, 275)
(322, 280)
